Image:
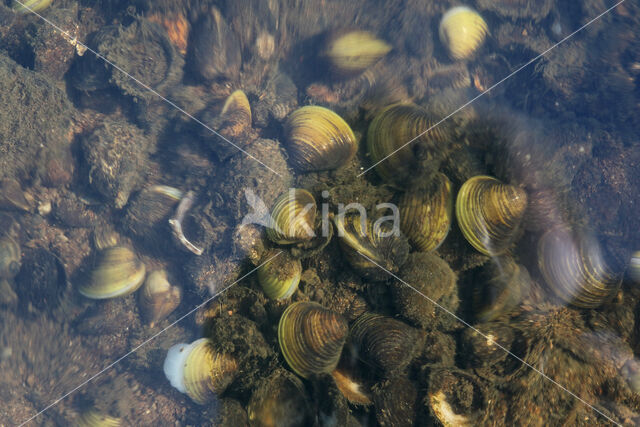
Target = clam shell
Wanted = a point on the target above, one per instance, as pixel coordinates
(396, 402)
(148, 212)
(118, 272)
(634, 267)
(279, 277)
(386, 249)
(233, 124)
(206, 372)
(12, 197)
(385, 343)
(425, 213)
(292, 218)
(489, 213)
(457, 398)
(281, 400)
(462, 31)
(158, 298)
(575, 268)
(9, 257)
(311, 338)
(318, 139)
(349, 53)
(392, 138)
(94, 418)
(30, 6)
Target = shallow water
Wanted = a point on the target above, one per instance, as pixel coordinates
(124, 128)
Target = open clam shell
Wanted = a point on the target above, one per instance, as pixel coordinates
(318, 139)
(426, 211)
(574, 266)
(118, 272)
(489, 213)
(311, 338)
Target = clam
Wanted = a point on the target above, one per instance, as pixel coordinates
(94, 418)
(634, 267)
(457, 398)
(489, 213)
(384, 342)
(396, 133)
(462, 31)
(349, 53)
(158, 298)
(280, 400)
(12, 197)
(292, 218)
(396, 402)
(425, 213)
(311, 338)
(352, 387)
(30, 6)
(9, 257)
(233, 123)
(576, 269)
(431, 281)
(507, 284)
(280, 275)
(149, 210)
(370, 249)
(198, 370)
(118, 271)
(318, 139)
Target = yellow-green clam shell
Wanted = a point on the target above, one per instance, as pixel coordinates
(489, 213)
(280, 275)
(350, 53)
(118, 272)
(318, 139)
(94, 418)
(29, 6)
(206, 372)
(462, 31)
(311, 338)
(426, 211)
(393, 136)
(575, 268)
(292, 218)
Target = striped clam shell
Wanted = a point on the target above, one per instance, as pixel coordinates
(575, 268)
(318, 139)
(118, 272)
(292, 218)
(462, 31)
(489, 213)
(280, 275)
(311, 338)
(426, 211)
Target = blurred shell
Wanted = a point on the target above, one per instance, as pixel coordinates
(507, 284)
(311, 338)
(634, 267)
(425, 212)
(385, 343)
(360, 239)
(158, 298)
(12, 196)
(9, 257)
(117, 272)
(396, 132)
(281, 400)
(575, 268)
(431, 281)
(206, 372)
(292, 217)
(489, 213)
(30, 6)
(214, 51)
(93, 418)
(280, 275)
(349, 53)
(148, 212)
(395, 401)
(105, 237)
(318, 139)
(462, 31)
(457, 398)
(352, 388)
